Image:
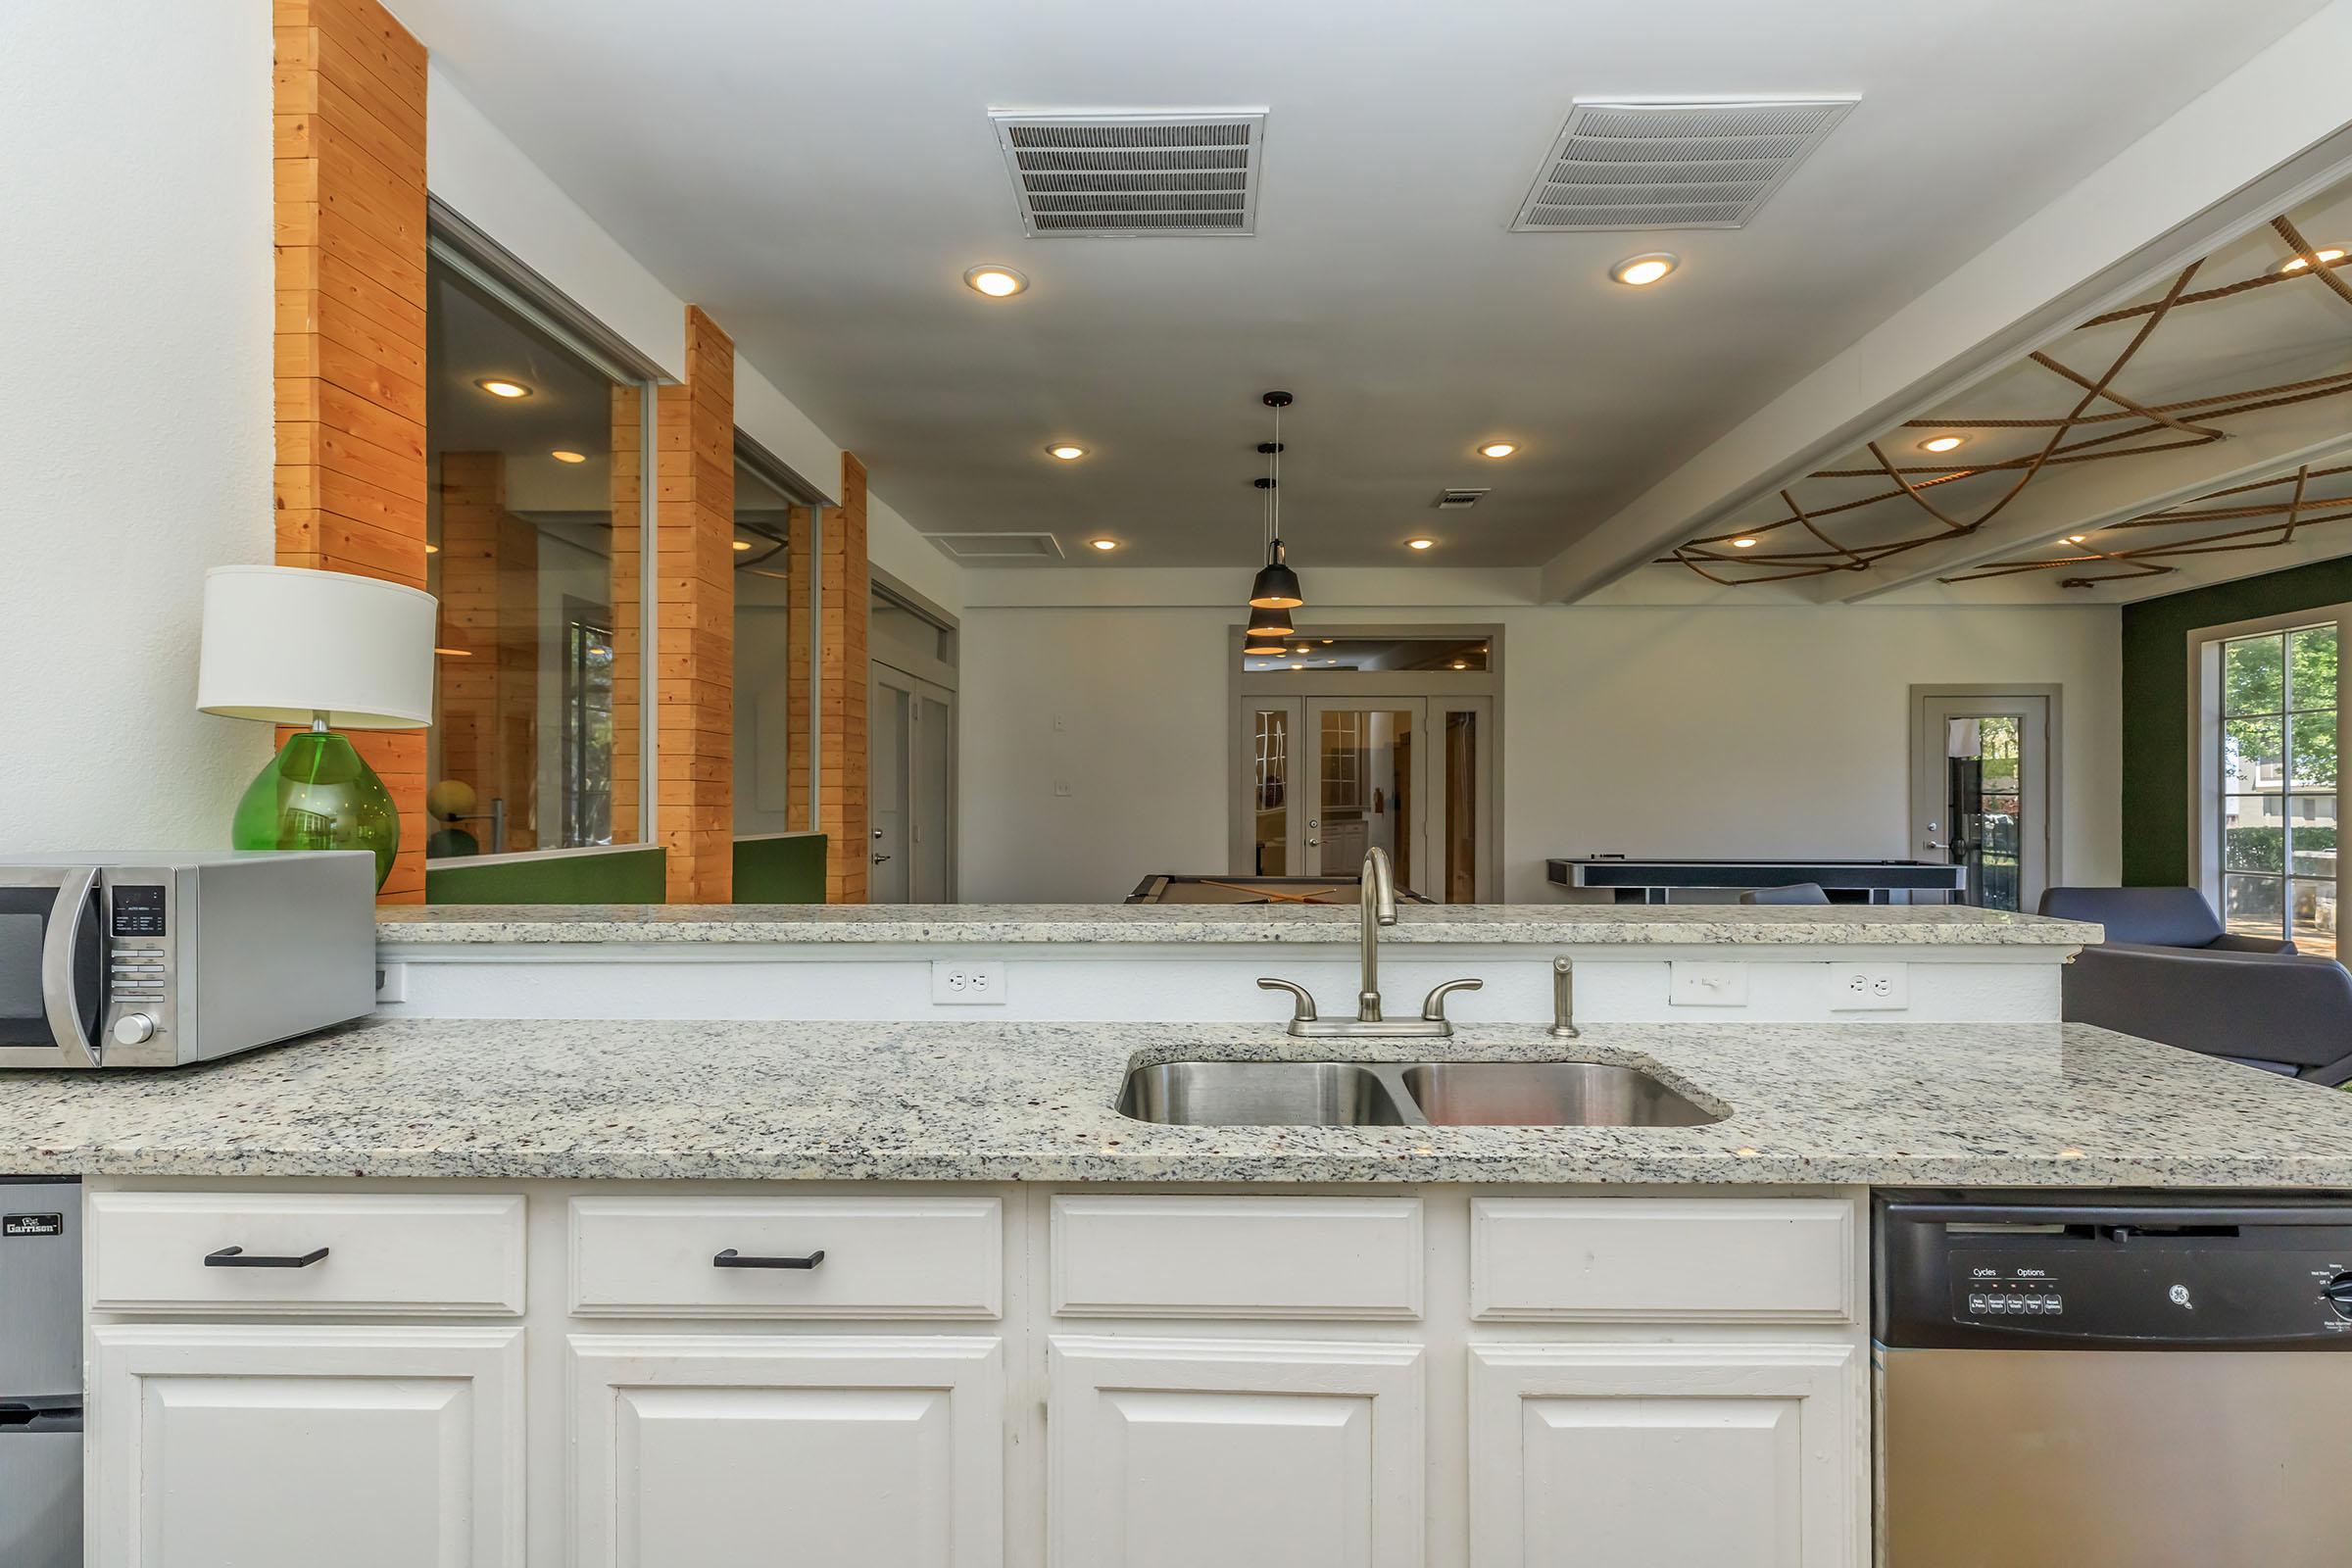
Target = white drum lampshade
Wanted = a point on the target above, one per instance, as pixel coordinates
(286, 644)
(332, 652)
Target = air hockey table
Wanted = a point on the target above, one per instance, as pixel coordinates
(1635, 881)
(1174, 888)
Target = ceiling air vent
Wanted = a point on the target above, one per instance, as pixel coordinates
(1457, 500)
(1672, 165)
(1134, 173)
(999, 545)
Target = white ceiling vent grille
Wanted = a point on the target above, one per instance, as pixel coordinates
(1455, 498)
(1134, 173)
(999, 546)
(1672, 165)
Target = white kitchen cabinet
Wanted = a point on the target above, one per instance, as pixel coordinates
(217, 1446)
(1172, 1453)
(1735, 1456)
(690, 1451)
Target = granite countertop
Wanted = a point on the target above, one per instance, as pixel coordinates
(1964, 1104)
(1545, 924)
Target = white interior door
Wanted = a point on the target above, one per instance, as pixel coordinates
(1366, 779)
(1981, 793)
(890, 786)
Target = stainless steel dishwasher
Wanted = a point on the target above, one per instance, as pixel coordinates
(40, 1373)
(2144, 1381)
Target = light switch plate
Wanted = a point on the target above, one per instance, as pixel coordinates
(1869, 987)
(1694, 984)
(965, 982)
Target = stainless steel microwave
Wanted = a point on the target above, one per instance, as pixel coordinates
(158, 960)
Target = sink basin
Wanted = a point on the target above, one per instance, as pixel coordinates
(1547, 1094)
(1260, 1094)
(1404, 1093)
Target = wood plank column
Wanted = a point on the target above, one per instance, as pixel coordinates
(348, 94)
(844, 585)
(694, 618)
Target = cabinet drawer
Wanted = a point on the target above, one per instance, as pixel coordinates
(1237, 1257)
(1753, 1259)
(426, 1253)
(911, 1257)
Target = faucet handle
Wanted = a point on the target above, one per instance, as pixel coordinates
(1433, 1007)
(1303, 1010)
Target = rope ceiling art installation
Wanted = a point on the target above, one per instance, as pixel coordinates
(2258, 515)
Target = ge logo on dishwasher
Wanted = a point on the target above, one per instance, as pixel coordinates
(2179, 1297)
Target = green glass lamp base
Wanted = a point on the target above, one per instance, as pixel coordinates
(320, 794)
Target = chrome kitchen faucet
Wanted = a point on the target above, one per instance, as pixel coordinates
(1377, 902)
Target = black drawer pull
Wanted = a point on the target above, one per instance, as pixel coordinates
(238, 1257)
(730, 1258)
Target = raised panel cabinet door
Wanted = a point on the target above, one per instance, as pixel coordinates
(1175, 1453)
(289, 1448)
(1639, 1455)
(693, 1451)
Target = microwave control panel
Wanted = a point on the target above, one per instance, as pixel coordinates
(140, 945)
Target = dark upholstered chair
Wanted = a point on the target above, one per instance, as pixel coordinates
(1794, 892)
(2157, 917)
(2169, 972)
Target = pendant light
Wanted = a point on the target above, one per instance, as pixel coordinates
(1265, 623)
(1277, 585)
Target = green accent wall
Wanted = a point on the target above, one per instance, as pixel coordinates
(781, 868)
(629, 875)
(2156, 697)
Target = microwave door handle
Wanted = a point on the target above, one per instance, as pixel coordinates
(59, 983)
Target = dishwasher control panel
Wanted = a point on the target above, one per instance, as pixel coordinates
(2144, 1273)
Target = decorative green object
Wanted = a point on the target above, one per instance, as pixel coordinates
(329, 650)
(319, 794)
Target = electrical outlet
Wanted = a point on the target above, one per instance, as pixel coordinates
(962, 982)
(1062, 789)
(1706, 985)
(1868, 987)
(391, 982)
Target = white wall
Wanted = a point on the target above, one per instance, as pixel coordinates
(135, 437)
(1648, 730)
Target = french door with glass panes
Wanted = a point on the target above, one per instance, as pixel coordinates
(1982, 795)
(911, 789)
(2265, 840)
(1326, 779)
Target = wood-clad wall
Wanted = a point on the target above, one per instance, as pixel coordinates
(348, 94)
(694, 618)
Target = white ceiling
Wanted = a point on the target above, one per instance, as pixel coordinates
(819, 179)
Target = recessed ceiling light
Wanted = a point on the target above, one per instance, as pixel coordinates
(2076, 538)
(454, 653)
(1067, 450)
(1103, 544)
(1498, 449)
(996, 283)
(499, 387)
(1327, 642)
(1941, 442)
(743, 544)
(1419, 544)
(1297, 667)
(563, 454)
(1743, 544)
(2332, 253)
(1638, 271)
(1460, 664)
(432, 550)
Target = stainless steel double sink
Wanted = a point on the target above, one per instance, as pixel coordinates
(1405, 1093)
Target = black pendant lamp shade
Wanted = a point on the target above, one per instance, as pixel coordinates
(1276, 586)
(1268, 624)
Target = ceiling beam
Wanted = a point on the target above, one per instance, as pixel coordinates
(2271, 133)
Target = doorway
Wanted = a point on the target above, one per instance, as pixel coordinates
(1983, 789)
(1373, 739)
(910, 746)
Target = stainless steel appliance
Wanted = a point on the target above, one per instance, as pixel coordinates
(2140, 1381)
(40, 1373)
(159, 960)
